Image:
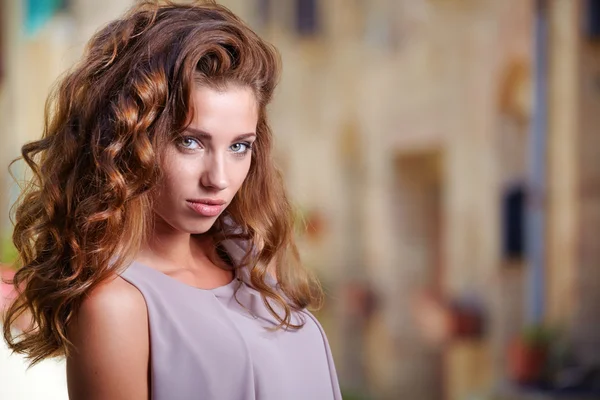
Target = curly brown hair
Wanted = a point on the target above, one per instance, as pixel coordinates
(88, 208)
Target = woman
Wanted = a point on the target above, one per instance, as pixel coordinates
(156, 237)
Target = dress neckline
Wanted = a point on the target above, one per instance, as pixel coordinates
(225, 290)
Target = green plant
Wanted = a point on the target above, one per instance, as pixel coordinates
(529, 354)
(8, 253)
(538, 335)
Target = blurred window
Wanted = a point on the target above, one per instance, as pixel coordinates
(593, 19)
(513, 222)
(307, 17)
(39, 12)
(264, 11)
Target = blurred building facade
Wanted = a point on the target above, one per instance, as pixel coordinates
(403, 127)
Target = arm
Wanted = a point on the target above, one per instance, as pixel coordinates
(110, 357)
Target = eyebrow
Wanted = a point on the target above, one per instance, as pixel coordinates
(207, 136)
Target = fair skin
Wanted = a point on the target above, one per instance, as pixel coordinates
(207, 164)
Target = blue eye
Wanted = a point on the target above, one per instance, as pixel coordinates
(240, 148)
(189, 143)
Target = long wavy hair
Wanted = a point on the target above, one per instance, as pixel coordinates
(88, 207)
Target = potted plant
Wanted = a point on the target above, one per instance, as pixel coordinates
(528, 355)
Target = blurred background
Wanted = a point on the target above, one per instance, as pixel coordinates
(444, 156)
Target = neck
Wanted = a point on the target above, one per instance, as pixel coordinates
(174, 248)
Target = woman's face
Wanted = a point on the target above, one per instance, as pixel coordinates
(205, 167)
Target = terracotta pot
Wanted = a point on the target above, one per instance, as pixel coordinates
(526, 361)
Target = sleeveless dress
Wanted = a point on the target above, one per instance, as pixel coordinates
(213, 345)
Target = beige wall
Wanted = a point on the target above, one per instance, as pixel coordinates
(574, 201)
(434, 90)
(587, 283)
(564, 105)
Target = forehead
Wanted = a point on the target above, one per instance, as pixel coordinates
(232, 110)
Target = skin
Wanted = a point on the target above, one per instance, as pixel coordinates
(211, 160)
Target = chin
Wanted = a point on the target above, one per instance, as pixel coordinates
(198, 229)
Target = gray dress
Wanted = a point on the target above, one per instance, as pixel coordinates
(212, 344)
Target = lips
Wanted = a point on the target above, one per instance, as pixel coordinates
(207, 207)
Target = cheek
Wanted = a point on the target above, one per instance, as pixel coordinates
(177, 174)
(241, 173)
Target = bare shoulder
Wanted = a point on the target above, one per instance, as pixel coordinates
(114, 298)
(110, 344)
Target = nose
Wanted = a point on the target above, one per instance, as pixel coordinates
(214, 175)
